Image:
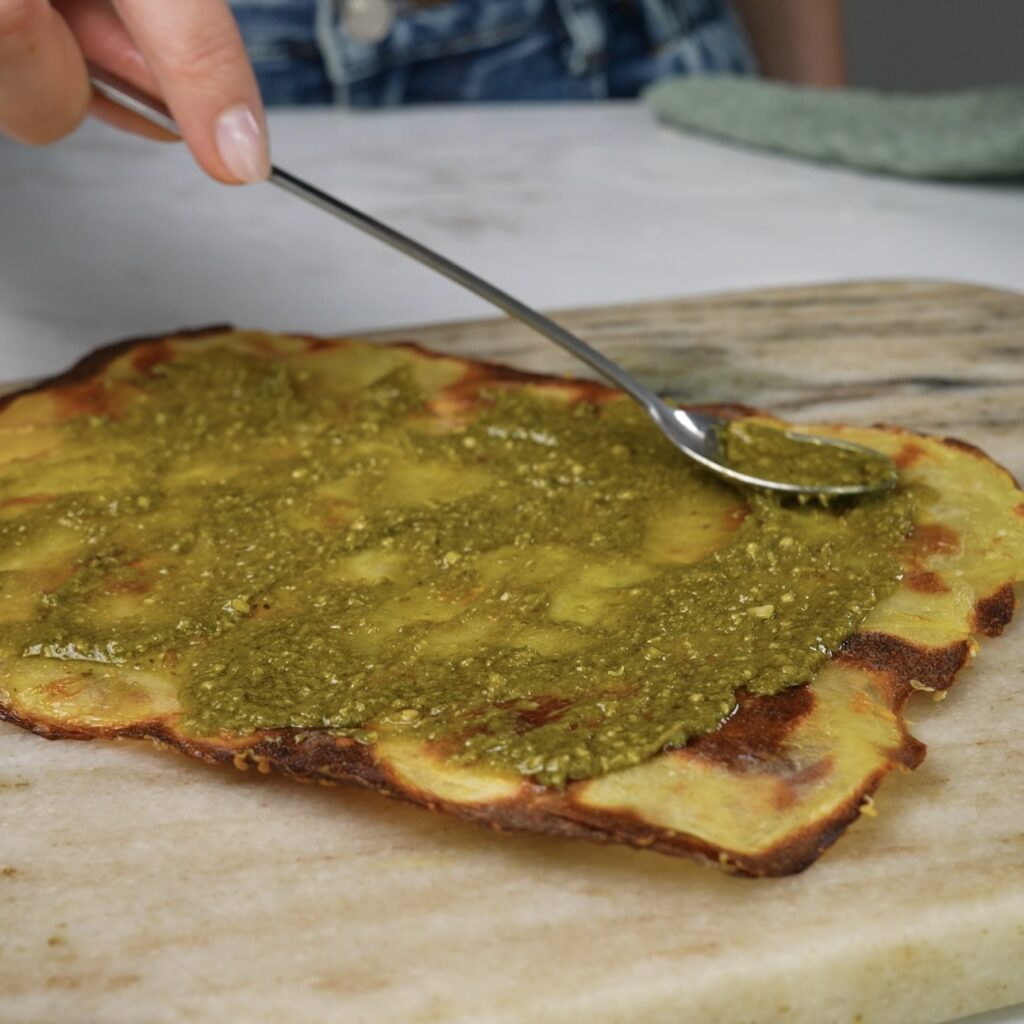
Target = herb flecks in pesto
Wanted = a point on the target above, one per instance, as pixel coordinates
(772, 454)
(545, 587)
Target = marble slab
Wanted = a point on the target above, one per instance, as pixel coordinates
(107, 236)
(138, 885)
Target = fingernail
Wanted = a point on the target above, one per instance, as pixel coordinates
(242, 145)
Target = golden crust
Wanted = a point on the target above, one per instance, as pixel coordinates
(765, 794)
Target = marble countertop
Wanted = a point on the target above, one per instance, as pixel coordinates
(106, 236)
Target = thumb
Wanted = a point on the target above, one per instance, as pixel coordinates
(44, 89)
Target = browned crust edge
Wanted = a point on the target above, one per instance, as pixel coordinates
(94, 362)
(306, 755)
(993, 614)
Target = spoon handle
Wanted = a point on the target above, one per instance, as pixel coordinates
(694, 433)
(126, 96)
(460, 275)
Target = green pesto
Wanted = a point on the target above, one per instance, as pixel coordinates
(773, 454)
(270, 543)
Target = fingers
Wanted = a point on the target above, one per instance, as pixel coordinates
(189, 53)
(44, 90)
(112, 114)
(195, 54)
(105, 41)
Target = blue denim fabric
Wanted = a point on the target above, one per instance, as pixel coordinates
(487, 50)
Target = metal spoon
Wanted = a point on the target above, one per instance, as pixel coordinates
(698, 435)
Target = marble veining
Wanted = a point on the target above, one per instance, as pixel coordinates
(106, 236)
(153, 882)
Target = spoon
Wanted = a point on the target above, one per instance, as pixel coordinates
(699, 435)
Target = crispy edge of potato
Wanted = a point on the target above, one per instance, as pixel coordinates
(893, 666)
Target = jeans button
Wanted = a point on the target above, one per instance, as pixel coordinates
(366, 21)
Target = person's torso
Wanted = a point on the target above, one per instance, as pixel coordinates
(387, 52)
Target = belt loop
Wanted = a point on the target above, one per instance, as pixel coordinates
(588, 33)
(327, 31)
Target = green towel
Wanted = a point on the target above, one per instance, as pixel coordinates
(972, 134)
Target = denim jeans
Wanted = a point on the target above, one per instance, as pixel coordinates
(487, 50)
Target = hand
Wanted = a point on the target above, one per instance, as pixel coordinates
(186, 52)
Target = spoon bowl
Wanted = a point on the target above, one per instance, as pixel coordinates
(702, 436)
